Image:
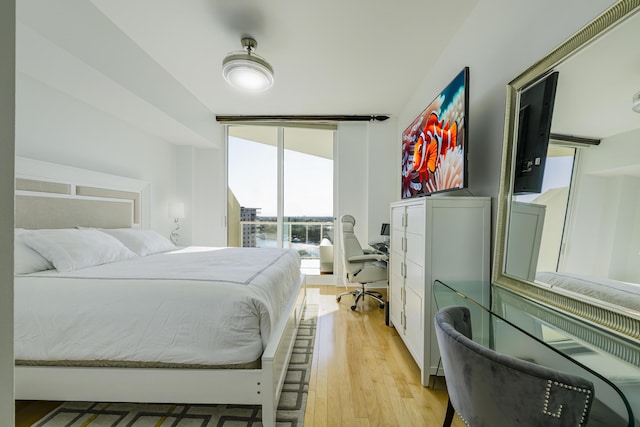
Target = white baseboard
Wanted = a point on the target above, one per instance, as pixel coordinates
(322, 279)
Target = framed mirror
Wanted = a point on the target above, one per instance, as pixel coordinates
(569, 234)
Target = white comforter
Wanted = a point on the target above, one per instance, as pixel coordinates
(623, 294)
(191, 306)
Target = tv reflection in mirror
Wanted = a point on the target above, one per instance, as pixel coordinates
(534, 128)
(434, 145)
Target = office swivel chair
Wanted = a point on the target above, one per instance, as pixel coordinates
(360, 267)
(490, 389)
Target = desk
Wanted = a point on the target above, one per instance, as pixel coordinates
(530, 331)
(381, 249)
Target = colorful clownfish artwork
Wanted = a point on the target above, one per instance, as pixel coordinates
(434, 145)
(435, 139)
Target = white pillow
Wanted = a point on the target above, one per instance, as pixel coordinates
(73, 249)
(142, 242)
(26, 260)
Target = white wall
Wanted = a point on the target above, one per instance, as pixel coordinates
(54, 127)
(352, 187)
(210, 192)
(498, 41)
(7, 88)
(383, 178)
(365, 180)
(184, 160)
(604, 233)
(201, 185)
(625, 257)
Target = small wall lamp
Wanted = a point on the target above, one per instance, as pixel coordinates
(635, 104)
(176, 211)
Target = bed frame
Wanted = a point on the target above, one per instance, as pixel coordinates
(54, 196)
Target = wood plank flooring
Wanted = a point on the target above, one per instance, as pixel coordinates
(362, 374)
(30, 411)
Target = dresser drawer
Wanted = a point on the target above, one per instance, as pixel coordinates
(415, 219)
(415, 248)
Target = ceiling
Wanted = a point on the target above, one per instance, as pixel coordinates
(156, 64)
(596, 85)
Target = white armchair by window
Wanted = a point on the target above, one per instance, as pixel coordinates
(326, 256)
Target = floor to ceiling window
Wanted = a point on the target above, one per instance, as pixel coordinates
(281, 189)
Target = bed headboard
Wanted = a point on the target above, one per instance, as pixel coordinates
(49, 195)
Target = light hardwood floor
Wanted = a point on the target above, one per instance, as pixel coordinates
(362, 374)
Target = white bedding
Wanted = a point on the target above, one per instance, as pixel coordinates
(623, 294)
(194, 306)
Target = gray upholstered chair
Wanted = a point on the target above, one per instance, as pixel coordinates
(360, 267)
(490, 389)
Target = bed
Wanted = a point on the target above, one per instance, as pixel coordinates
(145, 323)
(614, 293)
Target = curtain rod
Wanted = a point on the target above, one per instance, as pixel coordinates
(578, 140)
(318, 118)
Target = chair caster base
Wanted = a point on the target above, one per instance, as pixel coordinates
(359, 294)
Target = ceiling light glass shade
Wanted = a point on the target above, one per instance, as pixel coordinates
(247, 71)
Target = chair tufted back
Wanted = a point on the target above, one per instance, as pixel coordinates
(491, 389)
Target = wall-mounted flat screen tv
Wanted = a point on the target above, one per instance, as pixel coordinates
(435, 144)
(534, 129)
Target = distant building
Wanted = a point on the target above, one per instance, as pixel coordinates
(249, 233)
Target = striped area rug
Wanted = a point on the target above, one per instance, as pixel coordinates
(290, 408)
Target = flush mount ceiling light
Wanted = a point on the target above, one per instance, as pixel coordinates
(246, 70)
(635, 104)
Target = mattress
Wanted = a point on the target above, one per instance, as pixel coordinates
(615, 292)
(190, 307)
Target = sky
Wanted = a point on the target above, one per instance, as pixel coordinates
(557, 173)
(253, 180)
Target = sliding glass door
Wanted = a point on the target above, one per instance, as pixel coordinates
(280, 189)
(252, 176)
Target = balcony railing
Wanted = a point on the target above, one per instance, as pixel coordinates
(303, 236)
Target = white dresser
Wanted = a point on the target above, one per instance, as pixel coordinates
(444, 238)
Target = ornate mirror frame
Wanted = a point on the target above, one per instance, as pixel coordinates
(612, 318)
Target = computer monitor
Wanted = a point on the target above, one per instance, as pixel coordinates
(385, 230)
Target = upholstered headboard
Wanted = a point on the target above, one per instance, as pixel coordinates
(49, 195)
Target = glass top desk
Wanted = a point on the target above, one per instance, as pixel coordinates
(525, 329)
